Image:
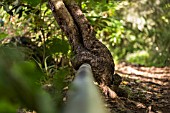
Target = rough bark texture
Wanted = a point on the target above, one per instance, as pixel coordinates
(85, 46)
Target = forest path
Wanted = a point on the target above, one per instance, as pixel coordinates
(148, 88)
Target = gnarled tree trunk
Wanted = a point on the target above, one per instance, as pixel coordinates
(85, 46)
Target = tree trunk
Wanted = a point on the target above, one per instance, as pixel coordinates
(85, 46)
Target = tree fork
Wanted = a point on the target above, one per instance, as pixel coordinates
(85, 46)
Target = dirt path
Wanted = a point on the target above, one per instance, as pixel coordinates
(148, 88)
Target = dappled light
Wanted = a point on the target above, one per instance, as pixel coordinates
(146, 74)
(150, 86)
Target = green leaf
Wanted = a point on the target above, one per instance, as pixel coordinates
(32, 2)
(7, 107)
(29, 72)
(56, 45)
(3, 35)
(11, 54)
(59, 77)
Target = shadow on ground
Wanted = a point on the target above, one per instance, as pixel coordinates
(148, 88)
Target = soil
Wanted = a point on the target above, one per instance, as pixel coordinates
(148, 90)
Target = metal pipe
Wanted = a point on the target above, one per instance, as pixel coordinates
(84, 96)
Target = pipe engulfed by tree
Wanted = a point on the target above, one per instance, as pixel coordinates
(85, 46)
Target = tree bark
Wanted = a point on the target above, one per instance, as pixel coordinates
(85, 46)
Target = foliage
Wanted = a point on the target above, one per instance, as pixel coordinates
(148, 21)
(19, 81)
(129, 26)
(140, 57)
(33, 19)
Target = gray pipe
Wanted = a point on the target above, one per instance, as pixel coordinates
(83, 96)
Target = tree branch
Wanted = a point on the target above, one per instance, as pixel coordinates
(66, 23)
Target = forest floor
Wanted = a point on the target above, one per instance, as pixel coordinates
(148, 89)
